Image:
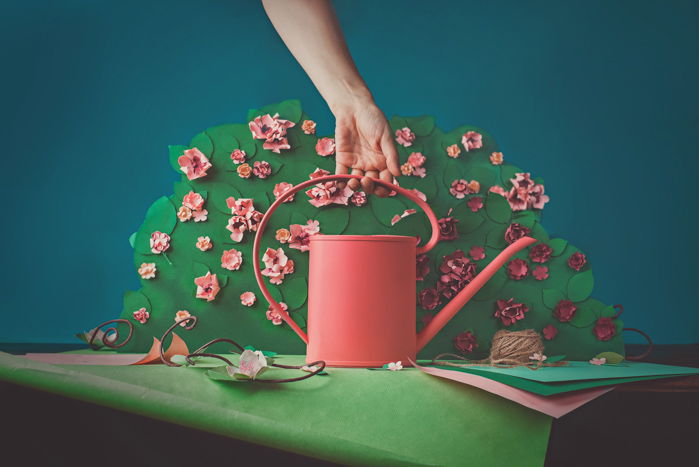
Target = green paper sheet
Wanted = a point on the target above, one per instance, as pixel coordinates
(579, 371)
(351, 416)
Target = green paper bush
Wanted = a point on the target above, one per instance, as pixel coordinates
(173, 287)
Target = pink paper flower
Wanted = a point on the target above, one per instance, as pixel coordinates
(429, 299)
(281, 188)
(405, 137)
(283, 235)
(147, 270)
(516, 231)
(456, 270)
(241, 206)
(422, 267)
(207, 286)
(204, 243)
(565, 311)
(540, 273)
(358, 198)
(525, 193)
(598, 361)
(510, 312)
(406, 213)
(262, 169)
(475, 203)
(182, 314)
(193, 163)
(477, 253)
(254, 218)
(327, 193)
(272, 130)
(453, 151)
(141, 315)
(419, 172)
(193, 201)
(472, 140)
(184, 214)
(248, 298)
(540, 253)
(244, 170)
(325, 147)
(406, 169)
(231, 259)
(300, 238)
(550, 331)
(159, 242)
(318, 172)
(497, 189)
(275, 262)
(200, 216)
(577, 261)
(308, 127)
(537, 198)
(465, 342)
(460, 188)
(416, 159)
(496, 158)
(447, 228)
(238, 225)
(238, 156)
(604, 329)
(275, 316)
(517, 269)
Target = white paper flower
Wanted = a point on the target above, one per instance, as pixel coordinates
(251, 365)
(310, 369)
(539, 357)
(395, 366)
(598, 361)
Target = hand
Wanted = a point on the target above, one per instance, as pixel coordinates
(364, 145)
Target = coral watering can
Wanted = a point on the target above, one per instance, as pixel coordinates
(368, 319)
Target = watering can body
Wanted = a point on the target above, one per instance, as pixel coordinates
(362, 293)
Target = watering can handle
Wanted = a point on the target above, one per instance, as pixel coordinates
(314, 181)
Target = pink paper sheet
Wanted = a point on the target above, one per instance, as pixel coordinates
(555, 406)
(85, 359)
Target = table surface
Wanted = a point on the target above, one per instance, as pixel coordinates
(644, 421)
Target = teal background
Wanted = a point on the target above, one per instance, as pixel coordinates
(599, 98)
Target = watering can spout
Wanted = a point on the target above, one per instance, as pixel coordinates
(456, 304)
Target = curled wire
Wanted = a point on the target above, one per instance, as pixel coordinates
(189, 326)
(319, 365)
(112, 331)
(649, 349)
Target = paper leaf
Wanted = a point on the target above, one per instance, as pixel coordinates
(219, 193)
(584, 317)
(397, 122)
(612, 358)
(203, 143)
(266, 353)
(161, 216)
(385, 208)
(200, 269)
(525, 218)
(508, 172)
(486, 176)
(294, 291)
(555, 358)
(496, 237)
(298, 217)
(498, 209)
(453, 170)
(492, 288)
(333, 219)
(132, 239)
(558, 245)
(135, 300)
(289, 110)
(175, 151)
(468, 220)
(551, 297)
(220, 373)
(539, 233)
(580, 286)
(421, 126)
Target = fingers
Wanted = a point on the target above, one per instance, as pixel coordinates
(368, 183)
(354, 183)
(341, 169)
(381, 191)
(391, 154)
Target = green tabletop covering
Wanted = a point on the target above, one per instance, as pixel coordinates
(351, 416)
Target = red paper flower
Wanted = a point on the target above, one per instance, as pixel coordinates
(477, 253)
(281, 188)
(301, 235)
(577, 261)
(429, 299)
(475, 203)
(540, 253)
(460, 188)
(141, 315)
(456, 271)
(465, 342)
(422, 267)
(550, 331)
(516, 231)
(517, 269)
(262, 169)
(540, 273)
(564, 311)
(358, 198)
(447, 228)
(604, 329)
(325, 147)
(510, 312)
